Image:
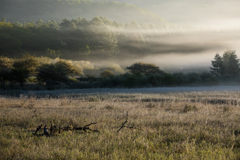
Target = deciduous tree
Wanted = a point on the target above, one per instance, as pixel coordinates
(141, 68)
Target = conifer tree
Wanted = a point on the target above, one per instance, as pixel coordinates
(217, 65)
(233, 65)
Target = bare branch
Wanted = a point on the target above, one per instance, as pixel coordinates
(123, 125)
(38, 128)
(85, 127)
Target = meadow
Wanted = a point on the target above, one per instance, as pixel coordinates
(167, 124)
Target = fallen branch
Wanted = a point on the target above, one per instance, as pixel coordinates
(123, 125)
(38, 128)
(85, 128)
(53, 129)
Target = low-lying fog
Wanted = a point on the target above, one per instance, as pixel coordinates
(182, 50)
(218, 25)
(156, 90)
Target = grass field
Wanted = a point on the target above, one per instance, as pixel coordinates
(167, 125)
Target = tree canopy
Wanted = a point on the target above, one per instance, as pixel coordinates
(228, 65)
(141, 68)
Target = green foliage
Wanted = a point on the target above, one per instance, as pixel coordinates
(141, 68)
(5, 63)
(193, 78)
(233, 64)
(27, 62)
(32, 79)
(116, 69)
(217, 64)
(179, 78)
(5, 70)
(9, 44)
(56, 73)
(19, 75)
(107, 74)
(168, 79)
(155, 79)
(69, 39)
(228, 65)
(52, 53)
(52, 74)
(71, 79)
(131, 80)
(71, 69)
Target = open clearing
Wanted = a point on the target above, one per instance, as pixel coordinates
(163, 123)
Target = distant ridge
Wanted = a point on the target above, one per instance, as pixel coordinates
(30, 10)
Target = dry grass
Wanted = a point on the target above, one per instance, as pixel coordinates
(196, 125)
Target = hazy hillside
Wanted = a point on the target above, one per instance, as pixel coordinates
(215, 13)
(29, 10)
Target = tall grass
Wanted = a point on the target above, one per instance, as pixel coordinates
(196, 125)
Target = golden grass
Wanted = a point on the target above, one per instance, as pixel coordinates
(196, 125)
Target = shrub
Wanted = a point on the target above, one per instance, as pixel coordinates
(131, 80)
(5, 70)
(107, 74)
(71, 69)
(155, 79)
(27, 62)
(71, 79)
(19, 75)
(179, 78)
(193, 78)
(52, 74)
(32, 79)
(168, 79)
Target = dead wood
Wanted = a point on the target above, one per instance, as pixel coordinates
(38, 128)
(123, 125)
(85, 128)
(53, 129)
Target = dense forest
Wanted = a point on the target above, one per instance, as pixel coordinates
(77, 38)
(98, 38)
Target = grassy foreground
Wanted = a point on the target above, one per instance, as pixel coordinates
(195, 125)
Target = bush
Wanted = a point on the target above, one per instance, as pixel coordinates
(131, 80)
(107, 74)
(71, 69)
(32, 79)
(179, 78)
(71, 79)
(52, 74)
(193, 78)
(155, 79)
(27, 62)
(5, 70)
(19, 75)
(168, 79)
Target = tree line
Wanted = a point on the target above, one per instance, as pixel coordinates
(224, 69)
(74, 39)
(227, 65)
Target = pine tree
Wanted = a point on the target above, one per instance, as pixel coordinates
(233, 65)
(217, 64)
